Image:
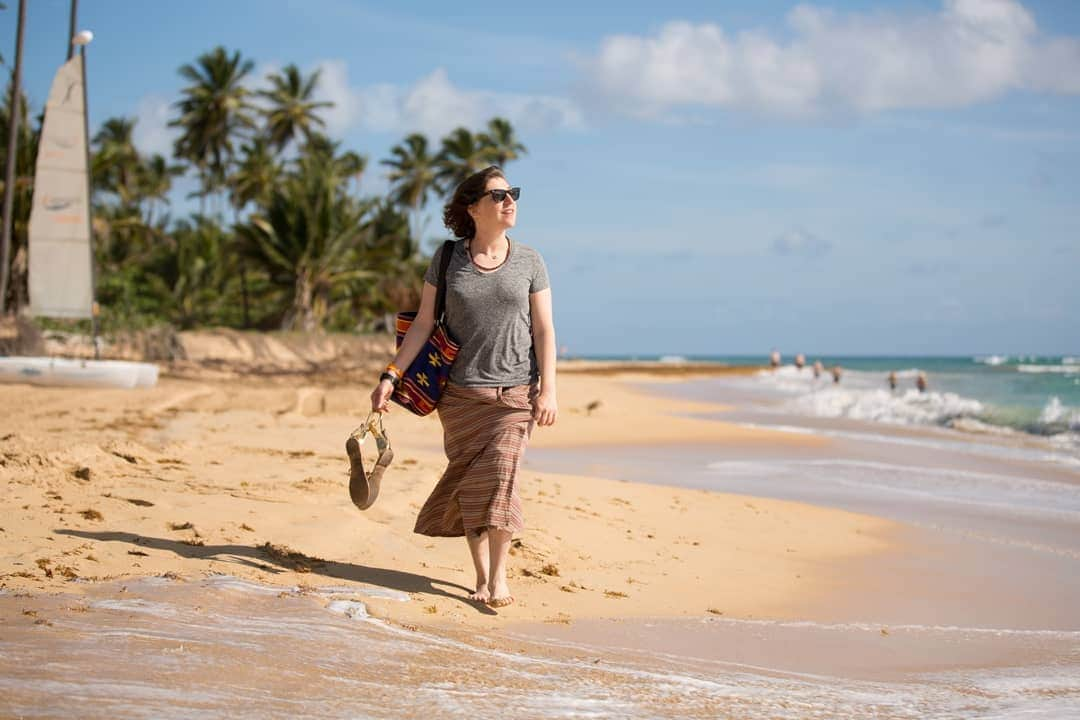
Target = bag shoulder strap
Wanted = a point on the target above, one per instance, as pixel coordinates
(440, 295)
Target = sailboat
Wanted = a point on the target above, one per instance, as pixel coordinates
(61, 270)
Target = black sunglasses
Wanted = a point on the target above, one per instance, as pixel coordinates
(499, 194)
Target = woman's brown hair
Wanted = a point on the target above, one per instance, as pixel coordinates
(456, 212)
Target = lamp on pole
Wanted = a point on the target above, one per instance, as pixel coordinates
(81, 39)
(14, 108)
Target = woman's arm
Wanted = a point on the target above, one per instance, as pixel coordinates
(543, 334)
(417, 335)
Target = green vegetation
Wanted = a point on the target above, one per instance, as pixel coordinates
(283, 238)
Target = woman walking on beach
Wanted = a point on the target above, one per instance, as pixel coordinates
(498, 307)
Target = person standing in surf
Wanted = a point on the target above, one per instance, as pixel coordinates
(498, 307)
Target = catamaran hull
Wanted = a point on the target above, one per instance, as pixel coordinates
(77, 373)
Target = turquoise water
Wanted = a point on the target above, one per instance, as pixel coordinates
(1037, 395)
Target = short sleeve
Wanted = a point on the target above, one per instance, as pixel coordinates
(432, 275)
(540, 275)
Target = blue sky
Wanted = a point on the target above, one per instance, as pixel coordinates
(862, 177)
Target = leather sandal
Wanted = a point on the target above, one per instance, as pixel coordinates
(364, 486)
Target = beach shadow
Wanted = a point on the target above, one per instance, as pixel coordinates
(271, 558)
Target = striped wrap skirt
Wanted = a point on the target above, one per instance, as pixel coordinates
(485, 432)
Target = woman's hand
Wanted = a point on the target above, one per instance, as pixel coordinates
(545, 409)
(380, 396)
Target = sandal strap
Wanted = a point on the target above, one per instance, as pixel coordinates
(374, 425)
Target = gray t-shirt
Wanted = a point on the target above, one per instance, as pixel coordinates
(488, 313)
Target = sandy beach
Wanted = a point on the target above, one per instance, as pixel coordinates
(221, 481)
(249, 478)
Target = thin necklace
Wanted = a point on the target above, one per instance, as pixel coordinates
(468, 249)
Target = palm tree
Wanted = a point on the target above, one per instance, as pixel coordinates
(125, 246)
(3, 6)
(25, 156)
(155, 182)
(501, 143)
(128, 239)
(308, 237)
(192, 281)
(254, 175)
(413, 172)
(392, 246)
(412, 176)
(321, 150)
(214, 109)
(352, 165)
(292, 111)
(116, 161)
(461, 156)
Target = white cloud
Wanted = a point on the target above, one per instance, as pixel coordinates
(152, 133)
(334, 87)
(801, 243)
(434, 105)
(969, 52)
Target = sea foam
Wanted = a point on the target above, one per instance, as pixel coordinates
(992, 360)
(909, 407)
(1065, 369)
(1056, 413)
(863, 395)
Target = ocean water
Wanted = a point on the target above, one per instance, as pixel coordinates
(983, 473)
(224, 647)
(1031, 395)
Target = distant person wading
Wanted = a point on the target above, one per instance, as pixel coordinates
(498, 306)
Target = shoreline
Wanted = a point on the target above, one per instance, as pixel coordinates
(655, 369)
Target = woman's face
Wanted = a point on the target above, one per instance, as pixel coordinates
(490, 215)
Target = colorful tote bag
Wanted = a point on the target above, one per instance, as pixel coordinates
(423, 381)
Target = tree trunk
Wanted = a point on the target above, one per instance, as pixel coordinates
(303, 309)
(244, 293)
(243, 274)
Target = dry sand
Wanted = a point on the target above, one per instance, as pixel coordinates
(247, 476)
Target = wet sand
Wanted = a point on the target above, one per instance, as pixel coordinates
(220, 645)
(983, 576)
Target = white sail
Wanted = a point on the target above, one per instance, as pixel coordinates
(61, 270)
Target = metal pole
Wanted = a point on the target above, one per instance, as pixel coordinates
(12, 150)
(94, 309)
(71, 28)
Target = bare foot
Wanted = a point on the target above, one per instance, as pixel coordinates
(499, 595)
(482, 593)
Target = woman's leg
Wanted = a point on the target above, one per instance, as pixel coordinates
(499, 542)
(478, 548)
